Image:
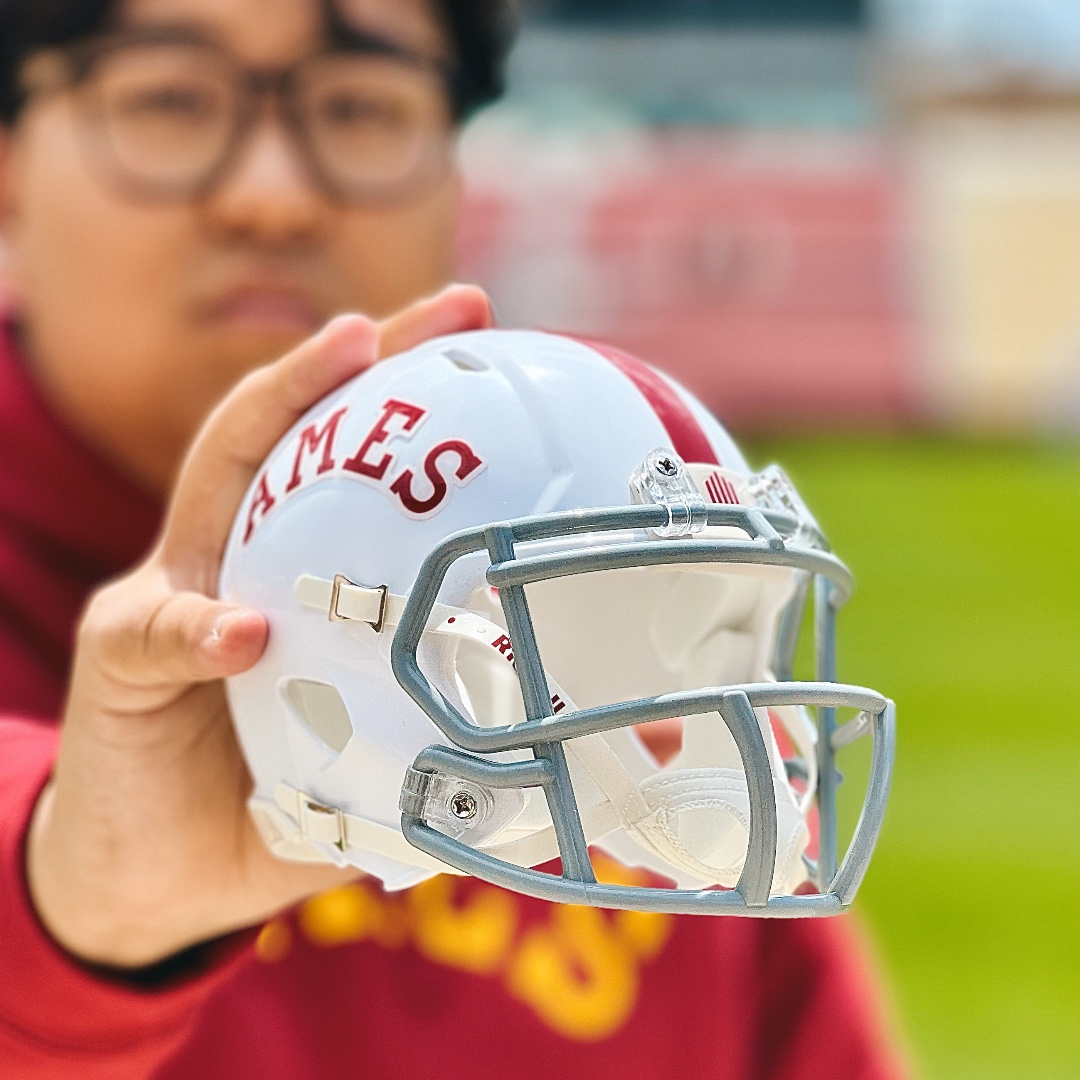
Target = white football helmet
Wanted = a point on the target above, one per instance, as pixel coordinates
(437, 525)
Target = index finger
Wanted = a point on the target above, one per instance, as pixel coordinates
(240, 433)
(456, 308)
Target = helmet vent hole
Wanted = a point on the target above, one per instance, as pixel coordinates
(465, 361)
(319, 708)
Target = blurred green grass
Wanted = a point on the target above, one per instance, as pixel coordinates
(967, 613)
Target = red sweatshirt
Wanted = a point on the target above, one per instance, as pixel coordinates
(452, 979)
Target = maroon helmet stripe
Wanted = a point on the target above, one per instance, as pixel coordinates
(687, 438)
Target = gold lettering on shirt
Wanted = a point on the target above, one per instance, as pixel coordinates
(352, 913)
(472, 935)
(576, 973)
(578, 968)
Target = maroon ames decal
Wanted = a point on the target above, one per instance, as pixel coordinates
(411, 415)
(468, 463)
(450, 463)
(262, 502)
(310, 439)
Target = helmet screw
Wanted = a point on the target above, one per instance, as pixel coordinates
(666, 467)
(463, 805)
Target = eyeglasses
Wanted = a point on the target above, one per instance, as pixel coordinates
(165, 117)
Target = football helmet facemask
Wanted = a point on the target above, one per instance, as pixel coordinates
(484, 562)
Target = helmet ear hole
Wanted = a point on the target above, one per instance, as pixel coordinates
(320, 708)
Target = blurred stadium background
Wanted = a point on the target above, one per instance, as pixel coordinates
(854, 229)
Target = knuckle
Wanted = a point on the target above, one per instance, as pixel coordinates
(259, 382)
(124, 621)
(104, 617)
(160, 632)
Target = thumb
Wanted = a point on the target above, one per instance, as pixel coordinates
(179, 639)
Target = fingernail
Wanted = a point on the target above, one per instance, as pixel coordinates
(221, 626)
(349, 320)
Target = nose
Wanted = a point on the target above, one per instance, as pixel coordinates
(266, 195)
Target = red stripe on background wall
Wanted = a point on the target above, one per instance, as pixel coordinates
(688, 440)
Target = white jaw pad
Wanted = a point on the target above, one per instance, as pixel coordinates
(700, 824)
(691, 825)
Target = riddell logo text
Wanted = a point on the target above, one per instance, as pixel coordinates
(314, 454)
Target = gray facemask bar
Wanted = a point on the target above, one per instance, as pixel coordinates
(544, 734)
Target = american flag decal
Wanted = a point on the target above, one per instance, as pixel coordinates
(721, 490)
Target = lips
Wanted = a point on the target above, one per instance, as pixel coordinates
(267, 309)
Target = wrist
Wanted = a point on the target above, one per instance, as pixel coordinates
(87, 911)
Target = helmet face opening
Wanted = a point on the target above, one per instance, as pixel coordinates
(487, 563)
(553, 732)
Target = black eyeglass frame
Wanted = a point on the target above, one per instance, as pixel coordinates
(73, 66)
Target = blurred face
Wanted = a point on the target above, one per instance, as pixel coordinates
(141, 309)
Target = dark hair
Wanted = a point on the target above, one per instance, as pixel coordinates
(481, 31)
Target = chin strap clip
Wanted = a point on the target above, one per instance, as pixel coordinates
(341, 600)
(361, 603)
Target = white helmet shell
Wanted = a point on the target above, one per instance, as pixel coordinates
(496, 426)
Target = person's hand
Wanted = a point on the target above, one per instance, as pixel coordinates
(141, 844)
